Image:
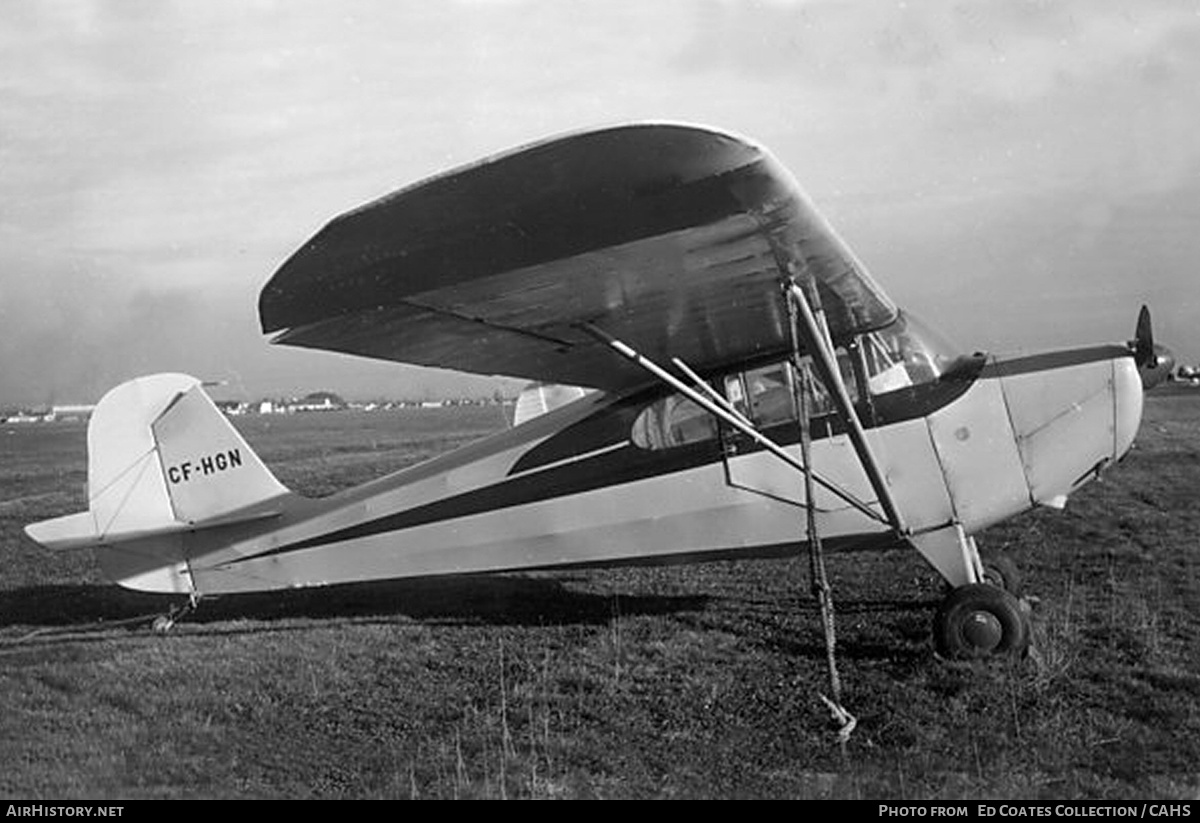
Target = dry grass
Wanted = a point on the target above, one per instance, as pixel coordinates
(697, 681)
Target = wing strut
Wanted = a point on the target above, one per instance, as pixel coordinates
(816, 339)
(720, 408)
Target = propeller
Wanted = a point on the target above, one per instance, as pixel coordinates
(1155, 363)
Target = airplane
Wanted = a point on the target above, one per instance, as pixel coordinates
(747, 390)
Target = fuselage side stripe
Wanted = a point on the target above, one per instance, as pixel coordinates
(616, 463)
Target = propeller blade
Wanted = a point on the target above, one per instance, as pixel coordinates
(1143, 341)
(1155, 362)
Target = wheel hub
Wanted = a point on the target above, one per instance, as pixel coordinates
(982, 630)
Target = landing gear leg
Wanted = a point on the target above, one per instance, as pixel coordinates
(952, 552)
(1000, 571)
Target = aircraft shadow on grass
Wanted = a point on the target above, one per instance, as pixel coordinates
(68, 612)
(487, 600)
(868, 628)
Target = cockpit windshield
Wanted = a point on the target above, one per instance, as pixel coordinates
(906, 353)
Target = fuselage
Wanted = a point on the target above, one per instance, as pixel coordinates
(648, 477)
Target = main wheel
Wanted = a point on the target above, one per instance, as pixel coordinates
(978, 620)
(1000, 571)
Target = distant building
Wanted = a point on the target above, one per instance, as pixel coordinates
(233, 407)
(73, 411)
(319, 401)
(65, 412)
(41, 416)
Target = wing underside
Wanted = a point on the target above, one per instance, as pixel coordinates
(672, 238)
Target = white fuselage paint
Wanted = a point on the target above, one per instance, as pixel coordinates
(1013, 439)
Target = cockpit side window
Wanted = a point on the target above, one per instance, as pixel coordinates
(771, 394)
(765, 395)
(821, 400)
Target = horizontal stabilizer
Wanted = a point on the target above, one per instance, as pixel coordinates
(71, 531)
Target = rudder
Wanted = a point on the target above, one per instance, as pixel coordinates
(209, 471)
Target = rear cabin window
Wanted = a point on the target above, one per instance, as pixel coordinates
(672, 421)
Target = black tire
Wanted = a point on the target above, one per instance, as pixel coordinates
(1000, 571)
(978, 621)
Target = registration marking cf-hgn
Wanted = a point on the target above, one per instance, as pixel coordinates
(204, 466)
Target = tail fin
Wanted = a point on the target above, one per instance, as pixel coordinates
(537, 399)
(161, 458)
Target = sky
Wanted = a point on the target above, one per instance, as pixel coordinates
(1021, 174)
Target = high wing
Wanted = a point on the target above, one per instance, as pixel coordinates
(672, 238)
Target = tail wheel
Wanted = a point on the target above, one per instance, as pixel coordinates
(977, 621)
(1000, 571)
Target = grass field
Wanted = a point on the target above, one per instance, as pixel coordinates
(690, 681)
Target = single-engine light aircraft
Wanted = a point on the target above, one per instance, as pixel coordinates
(752, 390)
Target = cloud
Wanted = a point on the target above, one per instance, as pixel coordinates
(1041, 93)
(165, 157)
